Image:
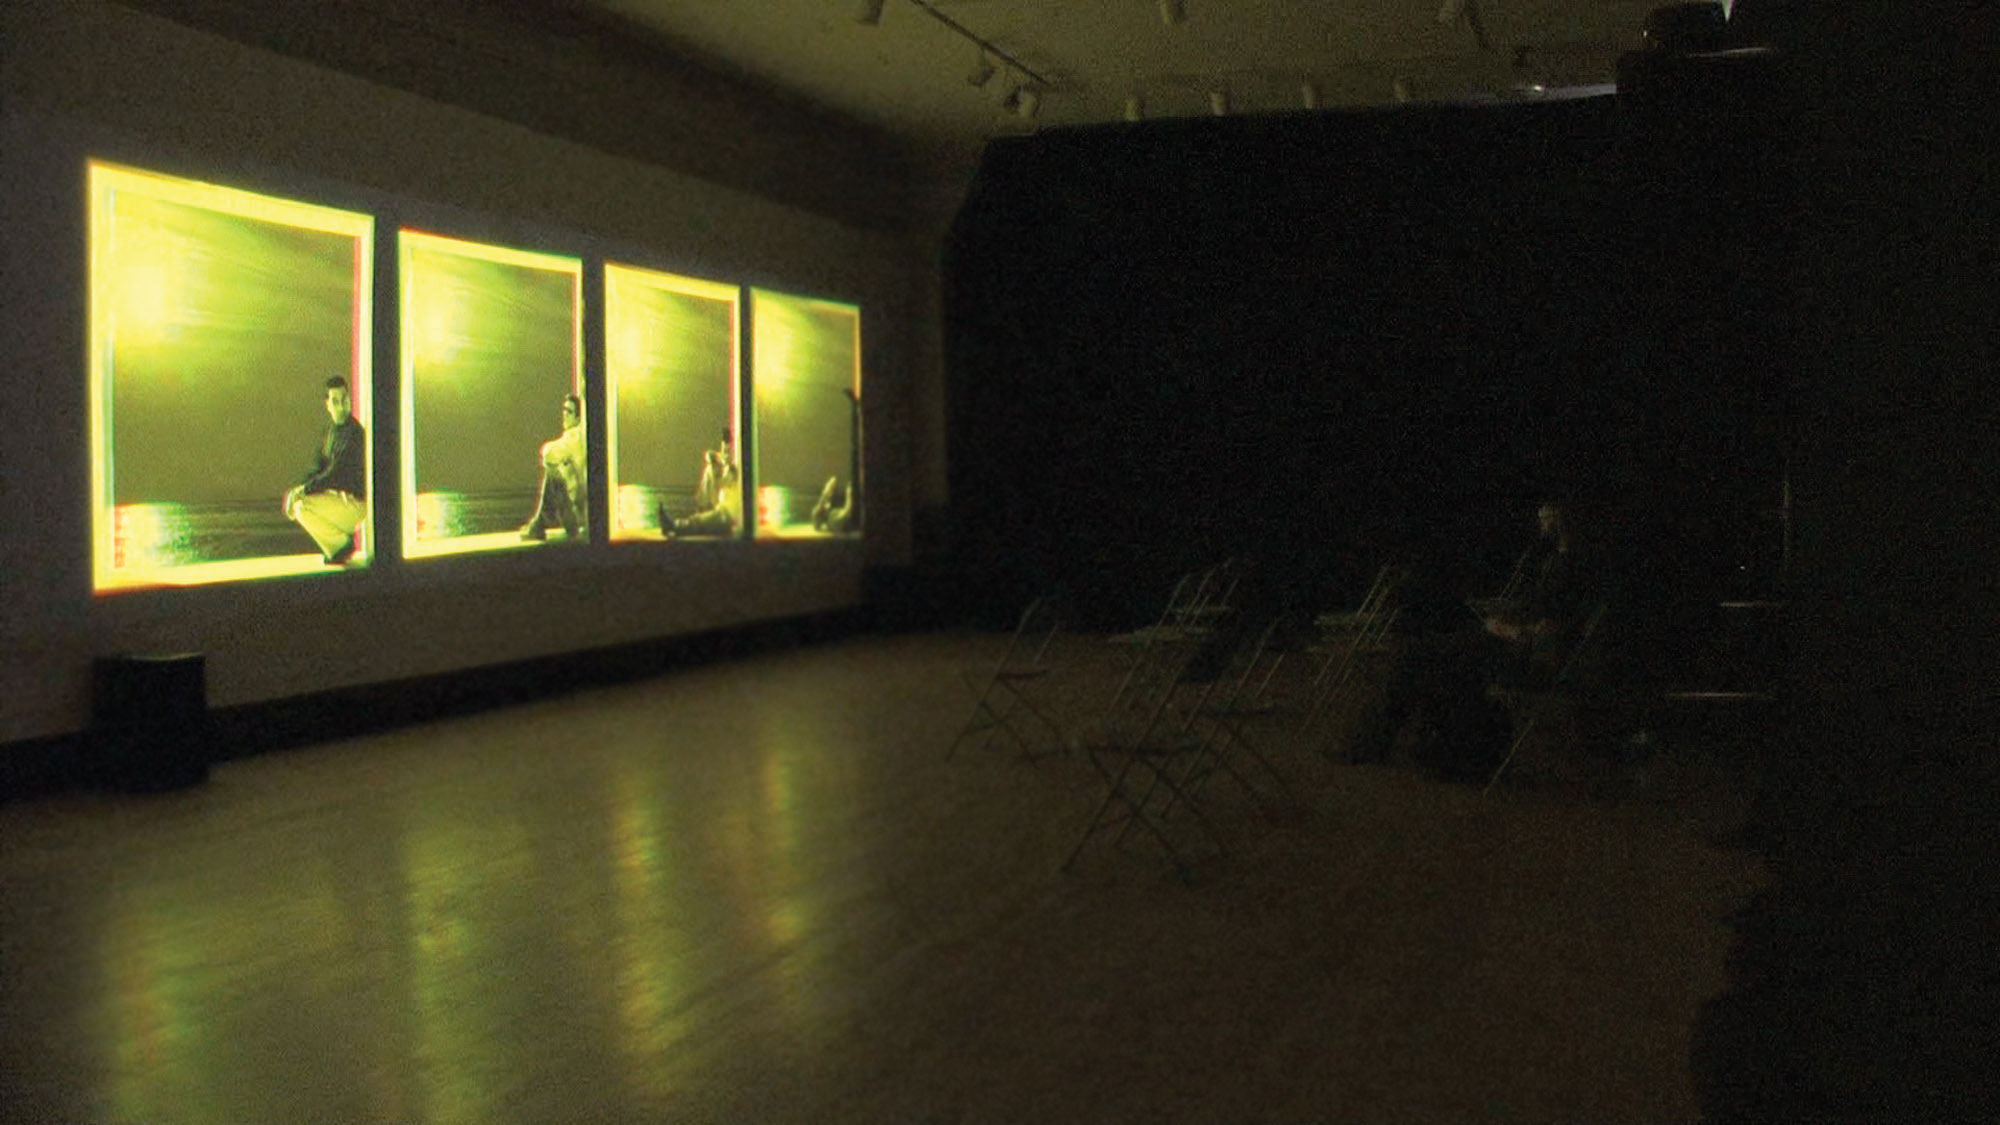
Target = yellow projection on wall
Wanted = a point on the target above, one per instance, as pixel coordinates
(494, 449)
(218, 318)
(805, 357)
(672, 371)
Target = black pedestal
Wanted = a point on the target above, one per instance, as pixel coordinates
(149, 730)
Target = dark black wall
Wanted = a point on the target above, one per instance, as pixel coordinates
(1324, 339)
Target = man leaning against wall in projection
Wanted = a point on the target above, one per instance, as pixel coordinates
(561, 496)
(331, 502)
(718, 499)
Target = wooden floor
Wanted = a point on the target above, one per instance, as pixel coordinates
(759, 892)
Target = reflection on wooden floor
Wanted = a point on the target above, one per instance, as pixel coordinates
(758, 891)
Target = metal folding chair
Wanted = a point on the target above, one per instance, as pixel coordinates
(1140, 748)
(1242, 697)
(1006, 694)
(1188, 607)
(1371, 606)
(1196, 601)
(1340, 660)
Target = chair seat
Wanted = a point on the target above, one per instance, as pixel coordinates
(1250, 709)
(1034, 673)
(1104, 740)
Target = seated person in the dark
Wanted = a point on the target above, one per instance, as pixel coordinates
(561, 495)
(1440, 663)
(718, 498)
(331, 501)
(1542, 627)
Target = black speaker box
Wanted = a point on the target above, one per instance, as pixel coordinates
(149, 728)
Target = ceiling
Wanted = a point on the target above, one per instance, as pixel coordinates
(1091, 61)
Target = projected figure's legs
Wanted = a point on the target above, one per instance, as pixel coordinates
(825, 515)
(331, 518)
(552, 507)
(715, 521)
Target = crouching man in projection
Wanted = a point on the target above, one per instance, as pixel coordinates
(560, 498)
(718, 500)
(331, 502)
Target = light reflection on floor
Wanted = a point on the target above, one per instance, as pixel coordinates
(759, 892)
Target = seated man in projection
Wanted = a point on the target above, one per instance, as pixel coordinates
(560, 498)
(718, 499)
(331, 502)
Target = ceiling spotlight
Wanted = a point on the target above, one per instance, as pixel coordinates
(983, 73)
(871, 12)
(1172, 12)
(1309, 94)
(1135, 108)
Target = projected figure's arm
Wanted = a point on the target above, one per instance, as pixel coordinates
(709, 491)
(337, 467)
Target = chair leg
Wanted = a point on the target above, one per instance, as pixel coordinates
(1520, 736)
(1120, 793)
(1116, 789)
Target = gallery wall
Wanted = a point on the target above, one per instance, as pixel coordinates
(95, 80)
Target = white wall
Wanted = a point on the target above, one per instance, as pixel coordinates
(90, 78)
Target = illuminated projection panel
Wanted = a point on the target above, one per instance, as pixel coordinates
(493, 446)
(806, 379)
(672, 363)
(217, 316)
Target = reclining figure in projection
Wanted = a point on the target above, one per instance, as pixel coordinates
(832, 518)
(560, 498)
(718, 499)
(331, 501)
(842, 517)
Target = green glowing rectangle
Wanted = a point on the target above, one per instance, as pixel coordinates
(671, 367)
(492, 348)
(805, 357)
(217, 316)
